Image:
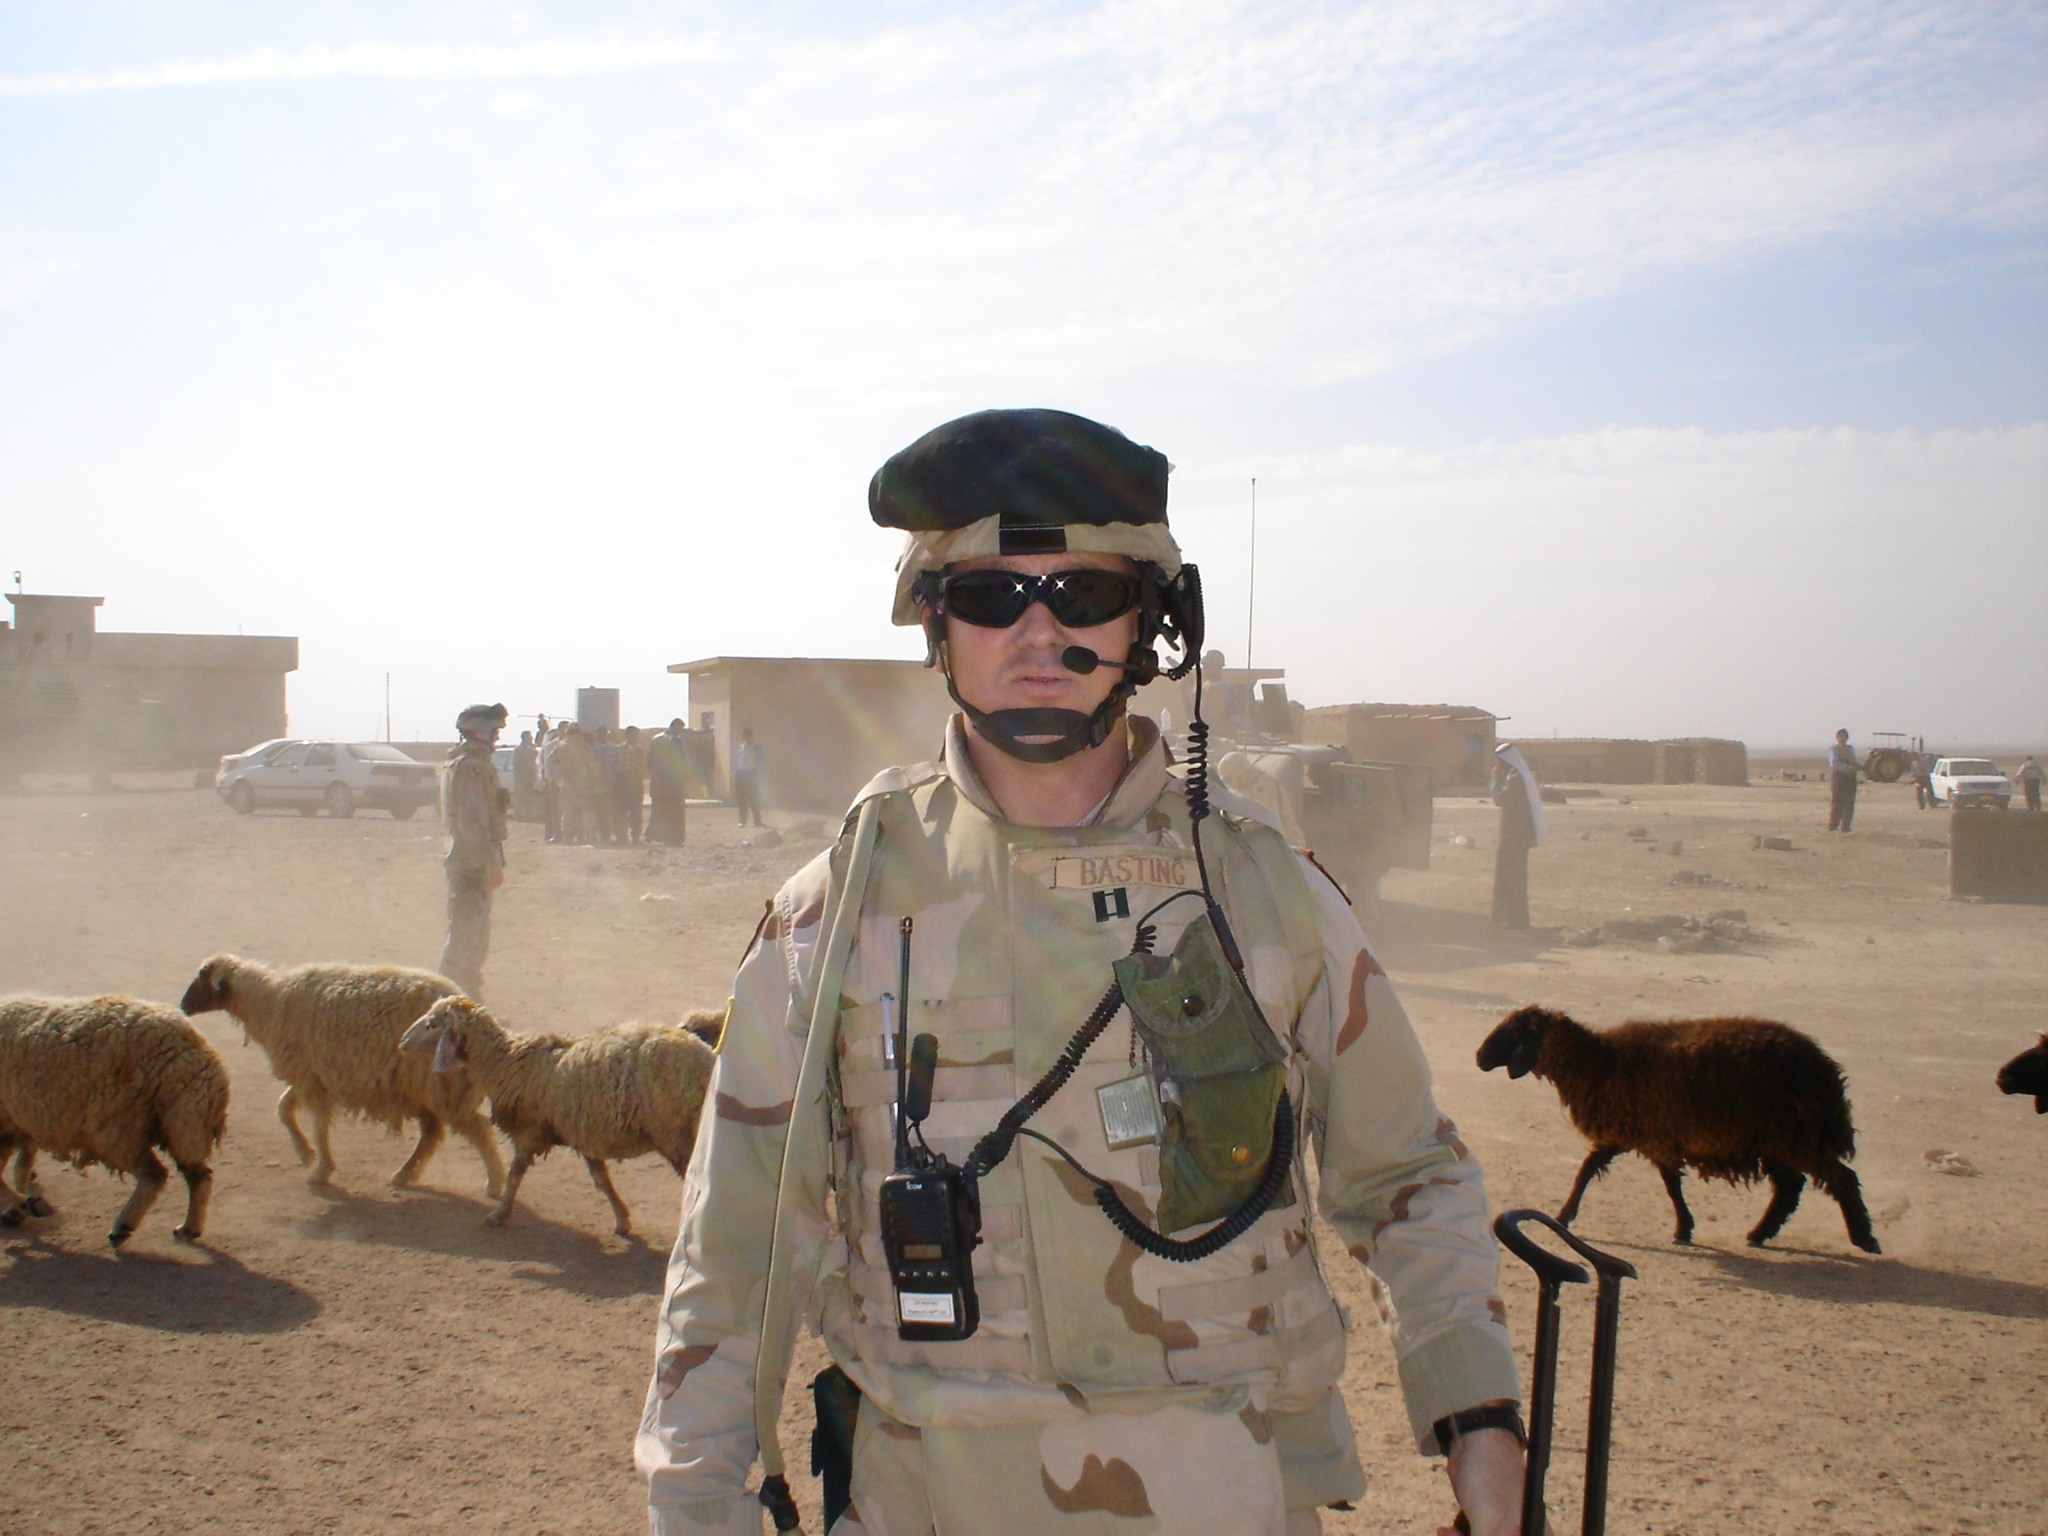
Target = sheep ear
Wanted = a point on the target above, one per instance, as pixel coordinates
(448, 1052)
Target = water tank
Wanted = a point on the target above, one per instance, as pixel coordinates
(597, 708)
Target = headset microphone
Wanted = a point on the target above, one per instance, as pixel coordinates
(1078, 658)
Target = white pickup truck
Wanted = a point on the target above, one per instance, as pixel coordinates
(1967, 781)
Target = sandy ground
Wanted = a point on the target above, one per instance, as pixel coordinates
(354, 1359)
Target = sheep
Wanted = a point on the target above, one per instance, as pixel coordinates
(618, 1092)
(2028, 1073)
(105, 1080)
(1730, 1098)
(331, 1033)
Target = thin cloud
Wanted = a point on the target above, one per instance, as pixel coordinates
(561, 58)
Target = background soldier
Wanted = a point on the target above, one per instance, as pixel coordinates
(1109, 1388)
(475, 862)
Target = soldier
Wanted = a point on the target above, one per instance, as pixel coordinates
(475, 862)
(1185, 1377)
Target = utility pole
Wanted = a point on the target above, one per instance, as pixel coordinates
(387, 708)
(1251, 591)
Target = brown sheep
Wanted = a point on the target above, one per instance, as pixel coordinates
(105, 1080)
(1739, 1099)
(331, 1032)
(618, 1092)
(2028, 1073)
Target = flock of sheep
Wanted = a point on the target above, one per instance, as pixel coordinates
(110, 1080)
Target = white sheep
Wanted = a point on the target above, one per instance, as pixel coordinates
(106, 1080)
(618, 1092)
(331, 1032)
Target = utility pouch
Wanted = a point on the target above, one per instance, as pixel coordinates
(1219, 1071)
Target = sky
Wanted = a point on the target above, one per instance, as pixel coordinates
(1623, 370)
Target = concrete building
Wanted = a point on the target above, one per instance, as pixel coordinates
(75, 700)
(826, 725)
(1455, 741)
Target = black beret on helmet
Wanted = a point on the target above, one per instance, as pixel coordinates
(493, 715)
(1033, 468)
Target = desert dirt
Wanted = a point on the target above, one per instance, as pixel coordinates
(355, 1359)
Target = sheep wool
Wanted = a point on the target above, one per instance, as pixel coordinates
(106, 1080)
(618, 1092)
(1737, 1099)
(331, 1032)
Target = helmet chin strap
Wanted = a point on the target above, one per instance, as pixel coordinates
(1070, 730)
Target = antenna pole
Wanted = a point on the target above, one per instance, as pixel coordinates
(1251, 585)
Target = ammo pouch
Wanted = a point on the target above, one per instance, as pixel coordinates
(1218, 1072)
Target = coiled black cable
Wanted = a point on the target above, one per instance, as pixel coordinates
(1226, 1231)
(995, 1146)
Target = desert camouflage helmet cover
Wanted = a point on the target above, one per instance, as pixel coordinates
(1021, 482)
(482, 717)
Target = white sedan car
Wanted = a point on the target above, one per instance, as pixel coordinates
(1968, 781)
(337, 777)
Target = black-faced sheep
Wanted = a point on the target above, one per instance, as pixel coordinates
(618, 1092)
(1732, 1098)
(106, 1080)
(331, 1033)
(2028, 1073)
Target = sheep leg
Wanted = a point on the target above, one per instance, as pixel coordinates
(502, 1211)
(1786, 1185)
(1841, 1183)
(198, 1191)
(431, 1135)
(11, 1204)
(1595, 1164)
(622, 1219)
(475, 1130)
(323, 1114)
(288, 1117)
(25, 1181)
(1674, 1186)
(149, 1183)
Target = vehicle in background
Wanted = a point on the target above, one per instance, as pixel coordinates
(334, 776)
(1962, 782)
(501, 764)
(1891, 759)
(262, 752)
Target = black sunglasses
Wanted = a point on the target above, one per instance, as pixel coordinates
(1079, 599)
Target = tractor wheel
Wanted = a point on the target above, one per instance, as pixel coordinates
(1885, 766)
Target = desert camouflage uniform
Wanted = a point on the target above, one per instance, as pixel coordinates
(475, 863)
(1107, 1391)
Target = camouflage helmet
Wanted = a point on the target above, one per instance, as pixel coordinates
(482, 717)
(1021, 482)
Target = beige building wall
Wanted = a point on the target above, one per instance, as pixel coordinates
(826, 725)
(75, 699)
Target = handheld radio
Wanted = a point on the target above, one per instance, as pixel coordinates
(931, 1209)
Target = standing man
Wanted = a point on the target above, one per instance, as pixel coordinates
(1923, 780)
(526, 779)
(746, 777)
(668, 777)
(1842, 772)
(1521, 828)
(475, 862)
(551, 785)
(1181, 1379)
(2029, 778)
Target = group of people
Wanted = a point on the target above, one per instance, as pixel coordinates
(593, 784)
(1844, 772)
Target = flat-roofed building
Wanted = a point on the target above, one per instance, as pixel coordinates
(74, 699)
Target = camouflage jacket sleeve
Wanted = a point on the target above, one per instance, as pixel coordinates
(1397, 1183)
(696, 1442)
